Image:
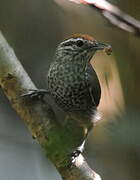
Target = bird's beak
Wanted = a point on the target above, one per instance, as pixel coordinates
(101, 46)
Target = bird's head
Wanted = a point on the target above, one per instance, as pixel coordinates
(79, 47)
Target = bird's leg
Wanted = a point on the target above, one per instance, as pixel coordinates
(36, 93)
(80, 149)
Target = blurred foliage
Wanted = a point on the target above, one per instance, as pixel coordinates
(34, 28)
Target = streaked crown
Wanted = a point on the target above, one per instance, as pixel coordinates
(81, 36)
(78, 43)
(79, 40)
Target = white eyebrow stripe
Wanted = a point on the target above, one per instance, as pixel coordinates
(72, 40)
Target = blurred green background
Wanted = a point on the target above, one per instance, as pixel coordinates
(34, 28)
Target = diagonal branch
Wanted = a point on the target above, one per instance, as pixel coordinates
(57, 140)
(114, 15)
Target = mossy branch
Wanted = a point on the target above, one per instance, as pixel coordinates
(58, 141)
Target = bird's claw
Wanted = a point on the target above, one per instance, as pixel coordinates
(35, 93)
(75, 155)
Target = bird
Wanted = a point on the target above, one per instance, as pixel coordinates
(72, 81)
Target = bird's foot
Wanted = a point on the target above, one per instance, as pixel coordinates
(36, 93)
(75, 154)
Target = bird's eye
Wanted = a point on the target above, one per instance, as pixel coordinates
(79, 43)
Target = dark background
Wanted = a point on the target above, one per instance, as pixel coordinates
(34, 28)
